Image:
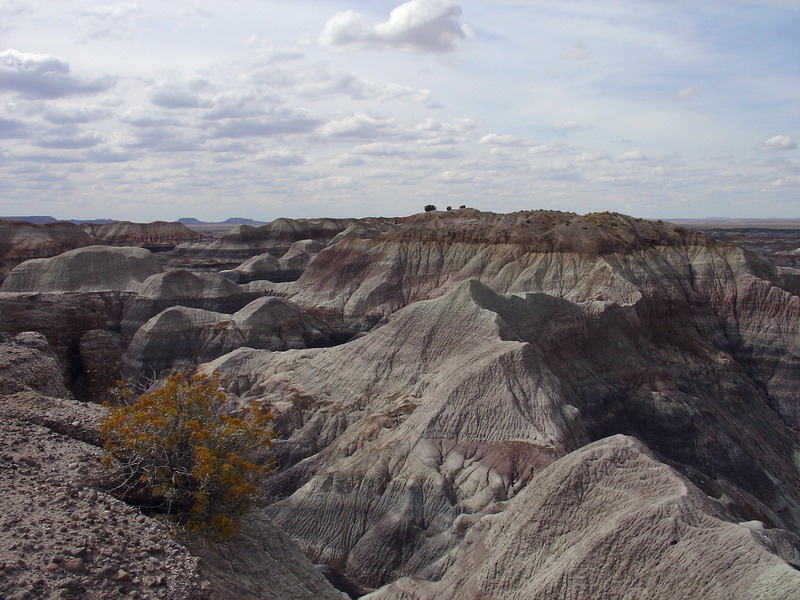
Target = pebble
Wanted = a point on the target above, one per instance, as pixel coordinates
(75, 565)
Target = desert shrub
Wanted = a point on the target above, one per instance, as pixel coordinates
(198, 466)
(430, 207)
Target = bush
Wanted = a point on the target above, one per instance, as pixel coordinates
(429, 207)
(200, 467)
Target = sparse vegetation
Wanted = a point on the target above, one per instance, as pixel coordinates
(430, 207)
(195, 464)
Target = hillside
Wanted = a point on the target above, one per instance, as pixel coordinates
(472, 405)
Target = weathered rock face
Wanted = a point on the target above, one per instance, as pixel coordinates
(556, 253)
(189, 336)
(208, 291)
(262, 561)
(26, 364)
(21, 241)
(90, 269)
(607, 521)
(64, 318)
(155, 236)
(100, 354)
(246, 241)
(266, 267)
(637, 328)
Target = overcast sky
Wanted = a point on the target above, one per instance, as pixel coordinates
(159, 110)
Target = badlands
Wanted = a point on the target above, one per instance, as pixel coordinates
(469, 405)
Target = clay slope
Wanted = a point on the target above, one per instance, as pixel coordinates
(676, 278)
(430, 420)
(21, 241)
(246, 241)
(179, 287)
(188, 336)
(288, 267)
(608, 521)
(155, 236)
(90, 269)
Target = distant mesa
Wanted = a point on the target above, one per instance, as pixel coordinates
(155, 236)
(229, 221)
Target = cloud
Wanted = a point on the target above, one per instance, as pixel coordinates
(139, 116)
(322, 81)
(425, 25)
(41, 76)
(355, 126)
(502, 140)
(72, 142)
(778, 142)
(591, 157)
(633, 156)
(68, 115)
(687, 93)
(570, 125)
(276, 122)
(179, 94)
(381, 149)
(12, 129)
(455, 177)
(279, 158)
(110, 20)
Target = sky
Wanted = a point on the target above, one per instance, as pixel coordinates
(264, 109)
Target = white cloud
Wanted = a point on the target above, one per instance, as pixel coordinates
(591, 157)
(111, 20)
(502, 140)
(570, 125)
(65, 115)
(44, 76)
(381, 149)
(279, 158)
(546, 149)
(72, 142)
(180, 94)
(687, 93)
(355, 126)
(426, 25)
(633, 156)
(455, 177)
(778, 142)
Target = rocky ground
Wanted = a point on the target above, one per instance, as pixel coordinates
(61, 535)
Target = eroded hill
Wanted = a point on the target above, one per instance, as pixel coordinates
(531, 405)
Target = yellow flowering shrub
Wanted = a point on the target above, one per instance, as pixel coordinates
(198, 465)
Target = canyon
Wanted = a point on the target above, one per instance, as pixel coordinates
(469, 405)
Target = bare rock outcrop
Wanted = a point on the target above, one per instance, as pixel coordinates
(246, 241)
(27, 364)
(179, 287)
(265, 266)
(262, 561)
(606, 521)
(180, 336)
(156, 236)
(89, 269)
(454, 404)
(21, 241)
